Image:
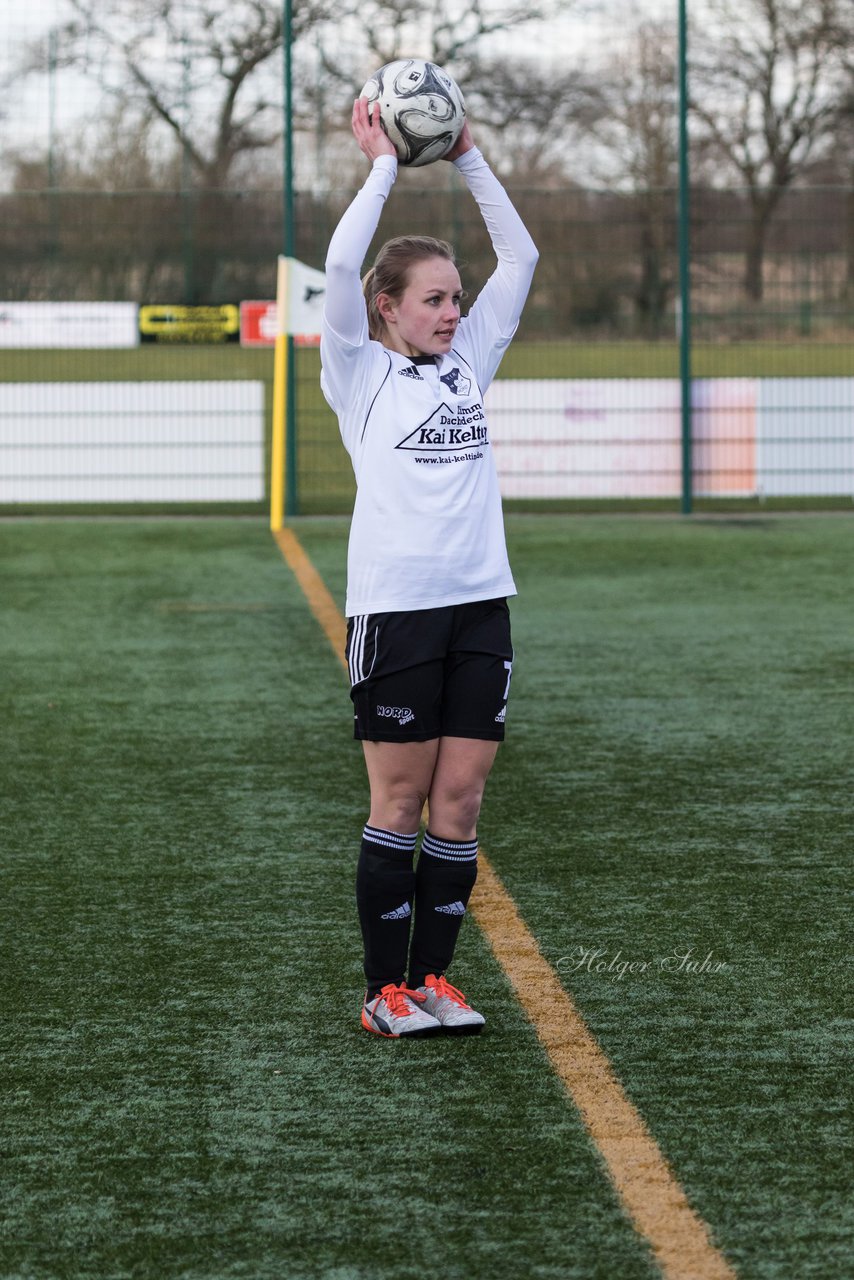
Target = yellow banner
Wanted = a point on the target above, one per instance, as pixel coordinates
(189, 324)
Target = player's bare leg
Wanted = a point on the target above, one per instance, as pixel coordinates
(400, 776)
(457, 786)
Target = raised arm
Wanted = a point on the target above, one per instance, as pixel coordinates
(345, 307)
(507, 288)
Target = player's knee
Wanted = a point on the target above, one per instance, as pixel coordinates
(407, 813)
(398, 810)
(454, 811)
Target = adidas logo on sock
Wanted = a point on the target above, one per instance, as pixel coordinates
(400, 913)
(452, 909)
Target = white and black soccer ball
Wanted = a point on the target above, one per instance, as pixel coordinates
(421, 108)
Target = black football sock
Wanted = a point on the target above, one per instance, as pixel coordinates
(385, 886)
(447, 870)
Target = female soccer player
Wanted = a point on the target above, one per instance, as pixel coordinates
(428, 628)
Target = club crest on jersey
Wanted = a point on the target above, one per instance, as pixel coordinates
(448, 429)
(456, 382)
(410, 372)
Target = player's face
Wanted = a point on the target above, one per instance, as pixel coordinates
(424, 319)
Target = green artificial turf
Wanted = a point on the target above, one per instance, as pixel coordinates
(685, 724)
(677, 778)
(560, 358)
(187, 1089)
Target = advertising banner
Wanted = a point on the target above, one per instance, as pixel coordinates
(258, 327)
(68, 324)
(586, 438)
(622, 437)
(257, 324)
(166, 323)
(806, 436)
(132, 441)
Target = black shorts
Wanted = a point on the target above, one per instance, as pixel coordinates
(430, 672)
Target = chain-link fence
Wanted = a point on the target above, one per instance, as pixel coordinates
(586, 407)
(608, 267)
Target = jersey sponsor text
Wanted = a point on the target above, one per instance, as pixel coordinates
(447, 428)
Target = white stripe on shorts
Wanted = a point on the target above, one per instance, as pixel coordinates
(356, 656)
(356, 651)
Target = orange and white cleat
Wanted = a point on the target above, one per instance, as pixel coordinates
(396, 1012)
(449, 1007)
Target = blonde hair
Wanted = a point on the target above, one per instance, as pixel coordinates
(390, 272)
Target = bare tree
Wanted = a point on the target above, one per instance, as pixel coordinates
(501, 94)
(207, 74)
(841, 162)
(529, 117)
(451, 35)
(207, 71)
(192, 65)
(766, 92)
(634, 131)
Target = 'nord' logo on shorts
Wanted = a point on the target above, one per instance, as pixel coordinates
(401, 714)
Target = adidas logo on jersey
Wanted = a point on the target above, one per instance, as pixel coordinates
(410, 372)
(400, 913)
(452, 909)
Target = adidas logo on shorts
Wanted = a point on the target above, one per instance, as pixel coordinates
(452, 909)
(499, 719)
(400, 913)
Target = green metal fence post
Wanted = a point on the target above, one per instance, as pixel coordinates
(685, 267)
(289, 250)
(52, 190)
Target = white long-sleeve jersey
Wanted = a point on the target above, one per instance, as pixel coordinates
(427, 526)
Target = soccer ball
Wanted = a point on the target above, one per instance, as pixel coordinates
(421, 109)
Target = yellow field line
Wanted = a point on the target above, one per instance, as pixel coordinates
(315, 591)
(647, 1186)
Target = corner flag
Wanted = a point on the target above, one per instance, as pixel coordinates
(306, 293)
(300, 294)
